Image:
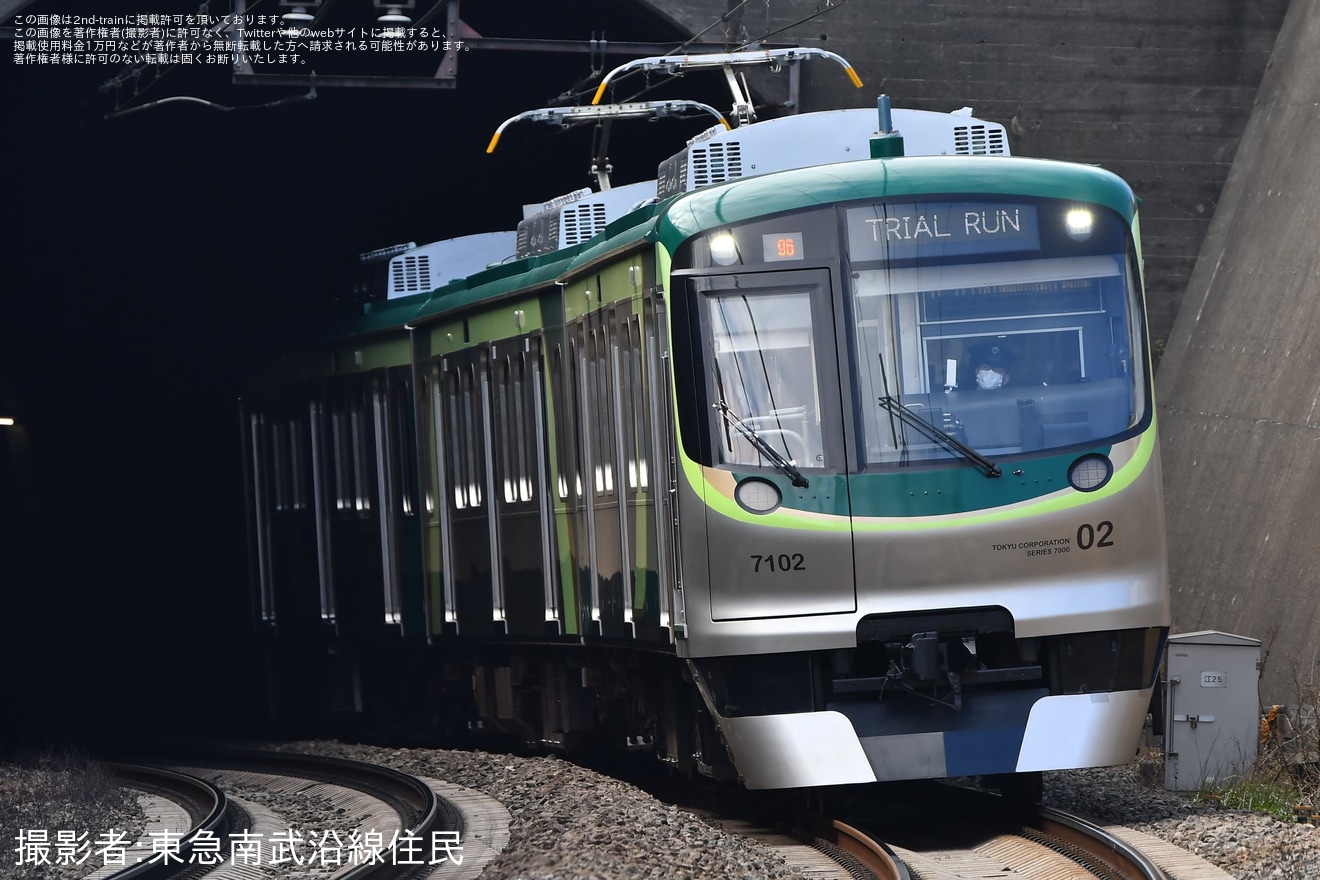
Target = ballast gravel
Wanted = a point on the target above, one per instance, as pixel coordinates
(569, 823)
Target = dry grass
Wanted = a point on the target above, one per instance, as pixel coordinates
(54, 792)
(1285, 780)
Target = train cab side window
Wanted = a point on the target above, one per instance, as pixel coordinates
(763, 383)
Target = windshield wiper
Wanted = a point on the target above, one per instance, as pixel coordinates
(762, 445)
(894, 408)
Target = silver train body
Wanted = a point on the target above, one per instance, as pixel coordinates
(715, 476)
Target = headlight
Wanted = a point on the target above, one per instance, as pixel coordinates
(1090, 472)
(757, 496)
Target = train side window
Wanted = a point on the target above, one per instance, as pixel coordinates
(361, 453)
(562, 455)
(604, 416)
(428, 491)
(340, 450)
(454, 439)
(471, 422)
(523, 435)
(574, 411)
(280, 464)
(503, 430)
(405, 446)
(643, 419)
(632, 397)
(300, 461)
(512, 429)
(591, 420)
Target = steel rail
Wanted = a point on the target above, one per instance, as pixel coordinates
(869, 851)
(913, 823)
(420, 811)
(1094, 840)
(197, 796)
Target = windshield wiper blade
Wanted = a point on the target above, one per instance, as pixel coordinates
(894, 408)
(762, 446)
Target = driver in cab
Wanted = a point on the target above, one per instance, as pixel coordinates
(992, 366)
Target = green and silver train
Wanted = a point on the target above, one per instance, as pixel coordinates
(828, 457)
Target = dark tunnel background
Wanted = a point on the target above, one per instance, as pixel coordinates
(154, 259)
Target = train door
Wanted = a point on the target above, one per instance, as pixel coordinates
(325, 580)
(289, 521)
(605, 591)
(386, 466)
(438, 488)
(664, 476)
(633, 349)
(567, 484)
(518, 462)
(282, 516)
(777, 505)
(397, 427)
(473, 583)
(354, 505)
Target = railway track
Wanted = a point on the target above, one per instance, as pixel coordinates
(186, 809)
(890, 832)
(941, 832)
(1055, 845)
(208, 819)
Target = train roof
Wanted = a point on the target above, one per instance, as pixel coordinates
(679, 217)
(742, 200)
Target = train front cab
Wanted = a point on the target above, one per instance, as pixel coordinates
(908, 576)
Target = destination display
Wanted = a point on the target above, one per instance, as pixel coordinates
(778, 246)
(904, 231)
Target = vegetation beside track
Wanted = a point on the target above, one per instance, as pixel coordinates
(60, 795)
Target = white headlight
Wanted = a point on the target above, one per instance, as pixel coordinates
(723, 249)
(1079, 223)
(1090, 472)
(757, 496)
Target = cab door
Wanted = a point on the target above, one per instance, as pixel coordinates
(775, 483)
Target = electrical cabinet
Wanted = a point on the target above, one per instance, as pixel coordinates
(1212, 711)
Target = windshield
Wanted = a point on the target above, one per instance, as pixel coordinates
(1005, 335)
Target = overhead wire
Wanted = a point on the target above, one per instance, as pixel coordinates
(830, 6)
(136, 72)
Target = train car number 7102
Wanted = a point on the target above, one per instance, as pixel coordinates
(779, 562)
